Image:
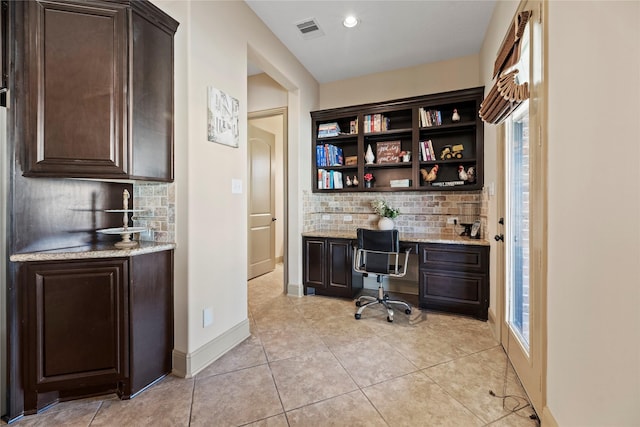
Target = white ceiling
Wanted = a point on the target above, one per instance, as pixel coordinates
(392, 34)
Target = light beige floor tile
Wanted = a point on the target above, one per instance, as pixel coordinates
(351, 409)
(520, 418)
(283, 344)
(424, 348)
(165, 404)
(75, 416)
(324, 309)
(469, 380)
(415, 400)
(276, 421)
(372, 361)
(310, 378)
(235, 398)
(245, 355)
(339, 331)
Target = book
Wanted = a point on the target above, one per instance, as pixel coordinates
(447, 183)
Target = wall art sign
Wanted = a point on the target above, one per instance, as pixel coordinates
(223, 118)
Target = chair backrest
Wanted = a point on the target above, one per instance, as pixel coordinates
(380, 250)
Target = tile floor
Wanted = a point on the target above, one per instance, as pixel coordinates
(308, 362)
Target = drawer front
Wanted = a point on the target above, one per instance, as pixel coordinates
(455, 292)
(461, 258)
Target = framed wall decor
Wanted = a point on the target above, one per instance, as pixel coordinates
(223, 118)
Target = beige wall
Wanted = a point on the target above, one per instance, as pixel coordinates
(213, 43)
(594, 211)
(460, 73)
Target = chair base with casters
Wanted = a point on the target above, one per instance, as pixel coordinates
(378, 253)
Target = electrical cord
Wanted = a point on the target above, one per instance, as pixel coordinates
(520, 402)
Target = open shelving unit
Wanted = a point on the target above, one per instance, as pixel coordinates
(400, 124)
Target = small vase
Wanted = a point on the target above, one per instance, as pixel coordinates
(385, 223)
(368, 184)
(369, 157)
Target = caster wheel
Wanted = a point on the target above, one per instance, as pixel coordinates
(357, 316)
(389, 319)
(358, 303)
(408, 311)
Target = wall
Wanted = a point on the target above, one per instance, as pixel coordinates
(423, 213)
(594, 210)
(459, 73)
(212, 45)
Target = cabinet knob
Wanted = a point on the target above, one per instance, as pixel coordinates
(501, 221)
(499, 237)
(273, 219)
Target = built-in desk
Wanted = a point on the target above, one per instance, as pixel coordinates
(453, 273)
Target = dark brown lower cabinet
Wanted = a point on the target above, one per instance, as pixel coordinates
(455, 278)
(327, 267)
(95, 326)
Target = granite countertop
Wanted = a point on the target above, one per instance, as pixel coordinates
(404, 237)
(103, 250)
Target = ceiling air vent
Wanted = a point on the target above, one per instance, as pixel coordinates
(309, 28)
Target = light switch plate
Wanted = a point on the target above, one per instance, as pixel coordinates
(236, 186)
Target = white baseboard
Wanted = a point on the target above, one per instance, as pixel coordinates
(187, 365)
(294, 290)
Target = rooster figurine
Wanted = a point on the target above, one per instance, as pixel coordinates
(431, 175)
(464, 176)
(471, 175)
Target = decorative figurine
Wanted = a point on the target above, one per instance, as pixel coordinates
(455, 117)
(369, 157)
(349, 184)
(431, 175)
(471, 174)
(462, 174)
(354, 181)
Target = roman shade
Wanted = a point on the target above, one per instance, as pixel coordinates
(507, 92)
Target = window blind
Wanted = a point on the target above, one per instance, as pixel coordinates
(506, 93)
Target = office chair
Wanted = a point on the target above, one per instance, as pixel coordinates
(378, 252)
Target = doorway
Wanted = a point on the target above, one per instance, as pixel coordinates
(266, 192)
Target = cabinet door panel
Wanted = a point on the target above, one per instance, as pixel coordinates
(152, 100)
(76, 89)
(454, 257)
(76, 315)
(314, 263)
(455, 292)
(340, 269)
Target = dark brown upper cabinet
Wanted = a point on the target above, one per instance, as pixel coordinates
(98, 82)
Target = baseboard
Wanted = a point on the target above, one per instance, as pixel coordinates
(187, 365)
(279, 259)
(493, 325)
(547, 419)
(294, 290)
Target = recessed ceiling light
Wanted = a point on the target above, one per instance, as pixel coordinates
(350, 21)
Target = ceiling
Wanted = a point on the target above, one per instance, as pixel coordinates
(392, 34)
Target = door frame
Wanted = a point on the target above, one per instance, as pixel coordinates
(538, 216)
(280, 111)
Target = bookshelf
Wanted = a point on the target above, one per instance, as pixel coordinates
(421, 125)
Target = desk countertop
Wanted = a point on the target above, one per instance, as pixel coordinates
(404, 237)
(103, 250)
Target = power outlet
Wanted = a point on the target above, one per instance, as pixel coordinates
(452, 220)
(207, 317)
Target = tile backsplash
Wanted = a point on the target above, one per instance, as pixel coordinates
(159, 203)
(420, 212)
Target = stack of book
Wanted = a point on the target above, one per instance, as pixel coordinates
(328, 129)
(430, 118)
(329, 155)
(376, 123)
(426, 151)
(329, 180)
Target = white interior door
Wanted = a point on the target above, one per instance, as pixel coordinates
(261, 202)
